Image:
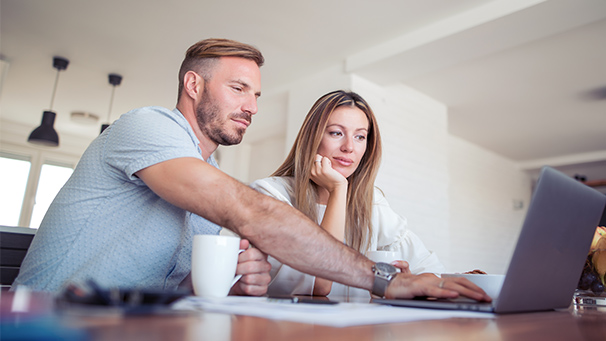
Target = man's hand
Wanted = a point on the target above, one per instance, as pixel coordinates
(409, 286)
(254, 268)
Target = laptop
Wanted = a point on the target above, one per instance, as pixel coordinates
(550, 253)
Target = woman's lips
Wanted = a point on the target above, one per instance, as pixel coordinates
(343, 161)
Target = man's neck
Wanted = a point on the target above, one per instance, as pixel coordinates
(207, 146)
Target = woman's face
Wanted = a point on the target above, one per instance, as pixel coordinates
(344, 140)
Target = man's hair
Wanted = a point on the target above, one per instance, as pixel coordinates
(202, 56)
(360, 190)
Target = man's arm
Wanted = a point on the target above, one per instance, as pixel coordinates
(272, 226)
(282, 231)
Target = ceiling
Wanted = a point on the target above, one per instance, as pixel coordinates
(517, 75)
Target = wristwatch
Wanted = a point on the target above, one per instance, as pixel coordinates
(384, 273)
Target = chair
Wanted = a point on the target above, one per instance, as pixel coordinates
(14, 242)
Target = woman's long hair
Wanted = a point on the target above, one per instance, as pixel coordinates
(358, 228)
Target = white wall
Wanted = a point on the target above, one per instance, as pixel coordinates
(266, 156)
(235, 160)
(485, 218)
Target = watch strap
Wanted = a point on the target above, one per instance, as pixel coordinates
(383, 274)
(380, 286)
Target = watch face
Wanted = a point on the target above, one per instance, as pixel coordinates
(385, 268)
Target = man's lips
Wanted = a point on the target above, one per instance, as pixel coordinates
(243, 119)
(242, 122)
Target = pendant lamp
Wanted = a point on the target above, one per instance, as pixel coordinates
(45, 134)
(114, 80)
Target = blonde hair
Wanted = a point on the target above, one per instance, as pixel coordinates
(202, 56)
(360, 190)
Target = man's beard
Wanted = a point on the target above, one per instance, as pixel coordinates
(214, 126)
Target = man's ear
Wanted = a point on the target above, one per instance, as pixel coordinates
(192, 84)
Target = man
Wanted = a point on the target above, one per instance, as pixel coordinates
(128, 213)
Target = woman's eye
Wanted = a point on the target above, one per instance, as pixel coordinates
(335, 133)
(361, 137)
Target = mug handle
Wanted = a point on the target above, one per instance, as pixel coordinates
(237, 278)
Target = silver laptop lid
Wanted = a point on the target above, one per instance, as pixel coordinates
(553, 244)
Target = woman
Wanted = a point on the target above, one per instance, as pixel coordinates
(329, 175)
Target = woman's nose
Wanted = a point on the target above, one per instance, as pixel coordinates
(347, 145)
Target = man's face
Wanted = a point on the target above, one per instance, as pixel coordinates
(229, 100)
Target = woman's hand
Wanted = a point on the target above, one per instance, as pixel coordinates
(323, 175)
(402, 265)
(475, 272)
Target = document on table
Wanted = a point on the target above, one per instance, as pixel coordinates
(337, 315)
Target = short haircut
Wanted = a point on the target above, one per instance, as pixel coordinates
(202, 56)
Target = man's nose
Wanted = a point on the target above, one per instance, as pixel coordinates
(250, 105)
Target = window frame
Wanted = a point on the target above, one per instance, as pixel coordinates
(37, 158)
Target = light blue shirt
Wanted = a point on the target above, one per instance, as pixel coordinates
(106, 224)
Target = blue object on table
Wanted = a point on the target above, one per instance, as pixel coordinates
(47, 328)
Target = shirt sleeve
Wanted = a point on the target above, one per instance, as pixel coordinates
(144, 137)
(275, 187)
(393, 235)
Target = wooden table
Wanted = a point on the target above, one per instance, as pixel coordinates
(576, 323)
(204, 326)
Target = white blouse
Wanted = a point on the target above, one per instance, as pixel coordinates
(389, 233)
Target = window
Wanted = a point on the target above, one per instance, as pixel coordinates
(52, 178)
(29, 182)
(14, 172)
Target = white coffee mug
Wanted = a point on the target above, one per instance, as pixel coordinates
(213, 264)
(383, 256)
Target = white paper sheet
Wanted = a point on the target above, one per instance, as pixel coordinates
(338, 315)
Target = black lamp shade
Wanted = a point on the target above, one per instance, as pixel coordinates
(45, 134)
(103, 127)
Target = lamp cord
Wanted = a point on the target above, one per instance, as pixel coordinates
(111, 103)
(54, 90)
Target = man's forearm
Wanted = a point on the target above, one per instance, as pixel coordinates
(272, 226)
(293, 239)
